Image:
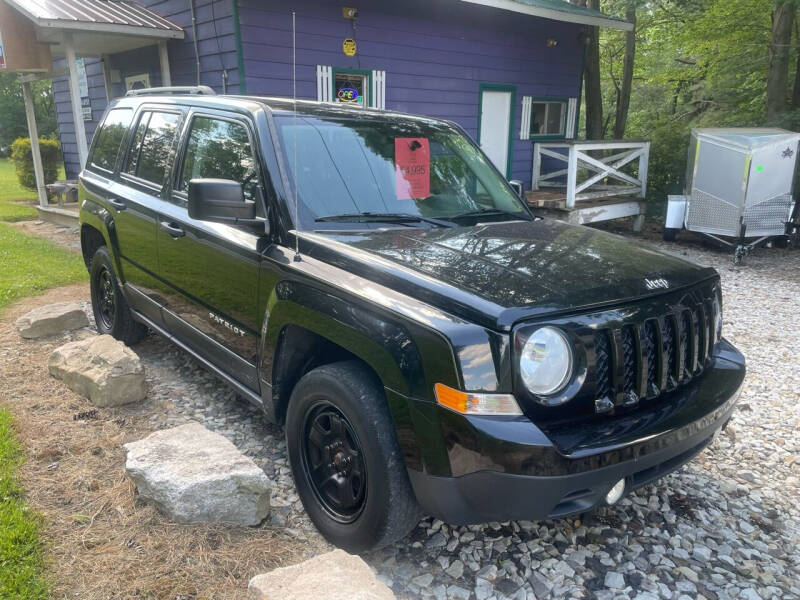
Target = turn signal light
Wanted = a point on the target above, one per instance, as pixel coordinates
(469, 403)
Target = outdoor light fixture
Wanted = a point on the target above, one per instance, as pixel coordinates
(551, 42)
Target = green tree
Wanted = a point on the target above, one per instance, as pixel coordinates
(13, 124)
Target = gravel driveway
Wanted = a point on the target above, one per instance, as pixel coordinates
(727, 525)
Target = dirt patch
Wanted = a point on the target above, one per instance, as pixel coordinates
(102, 542)
(65, 237)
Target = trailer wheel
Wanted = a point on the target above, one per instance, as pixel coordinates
(670, 233)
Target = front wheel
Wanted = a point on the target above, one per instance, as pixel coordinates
(111, 313)
(347, 465)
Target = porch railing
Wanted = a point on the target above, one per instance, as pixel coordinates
(592, 170)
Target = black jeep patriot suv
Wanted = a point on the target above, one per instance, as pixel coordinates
(374, 284)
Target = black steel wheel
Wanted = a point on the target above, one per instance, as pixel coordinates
(347, 464)
(111, 313)
(334, 462)
(103, 296)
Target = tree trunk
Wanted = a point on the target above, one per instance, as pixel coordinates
(591, 79)
(777, 75)
(624, 97)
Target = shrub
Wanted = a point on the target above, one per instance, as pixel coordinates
(23, 161)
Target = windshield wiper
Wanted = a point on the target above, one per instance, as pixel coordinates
(483, 212)
(371, 217)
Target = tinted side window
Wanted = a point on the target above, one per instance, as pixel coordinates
(107, 141)
(152, 145)
(220, 149)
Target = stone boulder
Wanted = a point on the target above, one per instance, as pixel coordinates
(194, 475)
(101, 369)
(52, 319)
(334, 575)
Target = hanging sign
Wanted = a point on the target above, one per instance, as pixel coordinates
(412, 164)
(347, 94)
(349, 47)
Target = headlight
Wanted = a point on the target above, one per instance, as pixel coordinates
(546, 362)
(717, 318)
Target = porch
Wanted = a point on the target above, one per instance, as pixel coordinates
(588, 181)
(70, 30)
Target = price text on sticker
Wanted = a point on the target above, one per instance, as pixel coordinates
(412, 164)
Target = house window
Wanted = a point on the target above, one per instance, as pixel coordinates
(548, 118)
(359, 88)
(351, 88)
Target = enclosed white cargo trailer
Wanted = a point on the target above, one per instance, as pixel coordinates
(738, 185)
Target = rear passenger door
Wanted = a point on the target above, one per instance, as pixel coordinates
(212, 269)
(135, 202)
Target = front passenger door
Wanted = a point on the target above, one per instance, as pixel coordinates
(212, 269)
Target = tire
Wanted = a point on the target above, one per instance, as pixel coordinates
(670, 234)
(112, 315)
(369, 503)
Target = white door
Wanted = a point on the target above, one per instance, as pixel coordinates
(495, 126)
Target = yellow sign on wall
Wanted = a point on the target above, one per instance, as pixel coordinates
(349, 47)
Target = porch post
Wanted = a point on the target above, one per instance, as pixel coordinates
(572, 175)
(163, 57)
(33, 132)
(537, 166)
(107, 75)
(75, 99)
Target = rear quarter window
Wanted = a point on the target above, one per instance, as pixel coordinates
(107, 142)
(151, 150)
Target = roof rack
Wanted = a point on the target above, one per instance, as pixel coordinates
(197, 90)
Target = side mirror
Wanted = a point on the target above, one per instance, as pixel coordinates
(517, 185)
(220, 201)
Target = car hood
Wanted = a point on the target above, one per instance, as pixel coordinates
(513, 270)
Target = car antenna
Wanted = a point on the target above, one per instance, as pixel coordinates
(294, 130)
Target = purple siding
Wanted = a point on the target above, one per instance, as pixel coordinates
(216, 46)
(435, 54)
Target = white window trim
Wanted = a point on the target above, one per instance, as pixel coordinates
(324, 83)
(377, 91)
(377, 97)
(527, 114)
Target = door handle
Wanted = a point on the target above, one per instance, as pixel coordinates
(172, 229)
(118, 204)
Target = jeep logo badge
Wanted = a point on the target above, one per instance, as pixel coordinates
(655, 284)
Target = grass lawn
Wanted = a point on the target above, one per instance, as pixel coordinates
(20, 549)
(29, 265)
(12, 192)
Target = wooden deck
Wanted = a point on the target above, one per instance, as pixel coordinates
(584, 181)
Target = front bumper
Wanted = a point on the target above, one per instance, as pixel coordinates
(501, 469)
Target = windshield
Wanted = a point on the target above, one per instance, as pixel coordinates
(399, 168)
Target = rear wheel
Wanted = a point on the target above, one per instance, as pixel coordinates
(346, 462)
(111, 313)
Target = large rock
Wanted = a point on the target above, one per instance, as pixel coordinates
(334, 575)
(52, 319)
(100, 368)
(194, 475)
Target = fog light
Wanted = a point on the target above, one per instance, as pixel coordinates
(615, 493)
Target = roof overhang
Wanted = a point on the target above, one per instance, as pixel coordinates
(96, 26)
(552, 10)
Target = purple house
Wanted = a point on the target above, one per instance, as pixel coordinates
(508, 71)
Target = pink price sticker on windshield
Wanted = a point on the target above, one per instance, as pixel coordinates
(412, 167)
